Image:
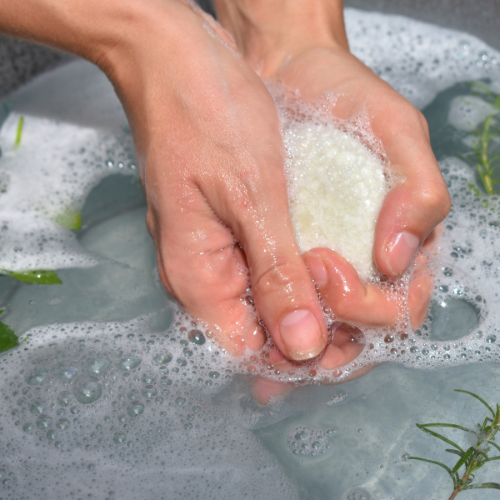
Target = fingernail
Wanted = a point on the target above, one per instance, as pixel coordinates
(401, 251)
(301, 334)
(317, 269)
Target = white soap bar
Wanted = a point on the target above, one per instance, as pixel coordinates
(336, 189)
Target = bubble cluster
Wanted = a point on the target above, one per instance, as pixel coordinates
(308, 442)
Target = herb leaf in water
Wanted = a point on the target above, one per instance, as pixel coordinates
(7, 337)
(475, 456)
(39, 277)
(19, 132)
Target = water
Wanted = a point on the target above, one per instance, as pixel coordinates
(116, 394)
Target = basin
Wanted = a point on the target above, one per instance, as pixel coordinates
(113, 391)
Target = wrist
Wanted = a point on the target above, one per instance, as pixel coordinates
(268, 32)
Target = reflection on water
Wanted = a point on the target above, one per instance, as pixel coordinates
(114, 393)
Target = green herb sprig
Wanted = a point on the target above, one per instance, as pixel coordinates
(487, 165)
(475, 457)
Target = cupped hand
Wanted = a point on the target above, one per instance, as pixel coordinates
(420, 201)
(209, 146)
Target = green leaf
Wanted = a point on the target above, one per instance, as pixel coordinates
(464, 459)
(19, 132)
(7, 337)
(495, 445)
(494, 486)
(491, 459)
(455, 452)
(448, 470)
(453, 426)
(439, 436)
(474, 189)
(482, 88)
(40, 277)
(69, 220)
(479, 399)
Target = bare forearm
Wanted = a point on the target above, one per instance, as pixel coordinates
(91, 29)
(267, 31)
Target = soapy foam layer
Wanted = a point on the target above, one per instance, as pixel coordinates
(104, 361)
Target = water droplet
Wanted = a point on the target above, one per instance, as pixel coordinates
(62, 424)
(129, 363)
(491, 339)
(58, 444)
(43, 421)
(88, 392)
(162, 359)
(91, 467)
(196, 337)
(99, 366)
(148, 378)
(446, 356)
(37, 407)
(448, 271)
(158, 400)
(134, 394)
(358, 494)
(64, 399)
(27, 427)
(180, 401)
(119, 437)
(36, 377)
(149, 392)
(214, 375)
(301, 436)
(135, 409)
(75, 410)
(181, 362)
(66, 373)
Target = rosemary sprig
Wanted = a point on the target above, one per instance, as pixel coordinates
(474, 457)
(487, 166)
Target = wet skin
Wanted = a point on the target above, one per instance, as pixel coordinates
(210, 151)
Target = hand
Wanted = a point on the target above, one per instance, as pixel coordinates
(209, 145)
(304, 46)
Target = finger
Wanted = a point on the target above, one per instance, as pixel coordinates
(422, 282)
(412, 209)
(344, 294)
(199, 265)
(284, 295)
(267, 391)
(345, 347)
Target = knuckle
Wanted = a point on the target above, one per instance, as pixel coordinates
(284, 276)
(344, 308)
(437, 200)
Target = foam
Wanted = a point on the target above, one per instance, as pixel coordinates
(56, 165)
